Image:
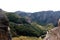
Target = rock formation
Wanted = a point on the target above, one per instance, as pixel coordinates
(4, 24)
(53, 34)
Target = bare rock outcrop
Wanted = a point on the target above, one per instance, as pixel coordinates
(53, 34)
(4, 27)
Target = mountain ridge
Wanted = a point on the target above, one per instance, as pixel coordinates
(43, 17)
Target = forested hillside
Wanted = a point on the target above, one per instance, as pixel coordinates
(24, 25)
(20, 26)
(43, 17)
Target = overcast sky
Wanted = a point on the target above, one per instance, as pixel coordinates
(30, 5)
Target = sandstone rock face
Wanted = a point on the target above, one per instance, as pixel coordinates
(4, 22)
(3, 35)
(53, 34)
(4, 30)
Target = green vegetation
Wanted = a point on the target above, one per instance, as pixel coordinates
(21, 27)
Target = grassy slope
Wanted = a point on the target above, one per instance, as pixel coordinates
(26, 38)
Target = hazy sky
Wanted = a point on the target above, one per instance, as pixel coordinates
(30, 5)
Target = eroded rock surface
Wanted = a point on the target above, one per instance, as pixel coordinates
(53, 34)
(4, 27)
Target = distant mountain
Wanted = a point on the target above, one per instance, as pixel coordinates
(43, 17)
